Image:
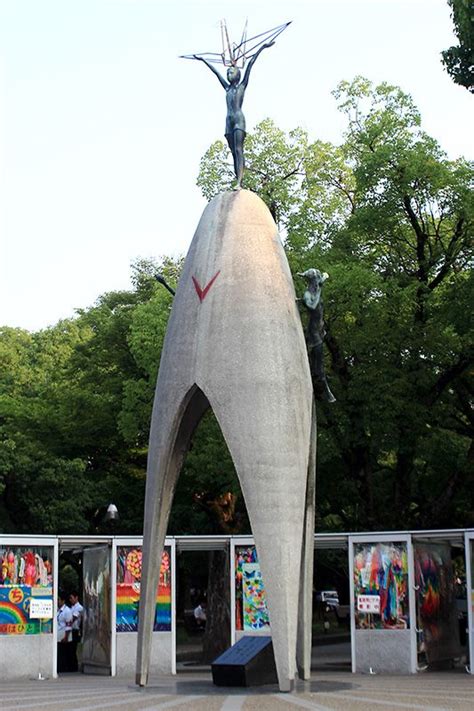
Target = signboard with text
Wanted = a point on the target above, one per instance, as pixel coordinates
(41, 608)
(369, 604)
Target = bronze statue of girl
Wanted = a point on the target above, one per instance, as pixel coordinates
(235, 119)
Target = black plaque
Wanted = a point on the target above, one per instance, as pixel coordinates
(250, 662)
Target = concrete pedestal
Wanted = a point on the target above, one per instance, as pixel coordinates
(161, 653)
(27, 656)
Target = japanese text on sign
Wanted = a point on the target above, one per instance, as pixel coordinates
(369, 604)
(41, 609)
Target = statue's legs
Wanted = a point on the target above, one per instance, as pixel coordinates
(321, 384)
(236, 144)
(239, 161)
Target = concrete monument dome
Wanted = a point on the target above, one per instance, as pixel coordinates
(235, 343)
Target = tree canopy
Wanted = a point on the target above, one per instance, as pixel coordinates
(389, 217)
(459, 59)
(75, 408)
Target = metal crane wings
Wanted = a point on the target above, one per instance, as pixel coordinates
(236, 55)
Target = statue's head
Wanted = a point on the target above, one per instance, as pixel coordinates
(233, 75)
(314, 276)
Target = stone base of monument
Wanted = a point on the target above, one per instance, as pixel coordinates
(250, 662)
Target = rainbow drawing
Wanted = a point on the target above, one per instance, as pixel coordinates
(128, 597)
(11, 614)
(14, 611)
(129, 572)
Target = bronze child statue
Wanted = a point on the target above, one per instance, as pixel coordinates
(315, 331)
(246, 51)
(235, 119)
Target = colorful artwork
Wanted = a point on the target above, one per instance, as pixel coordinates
(129, 573)
(24, 573)
(253, 598)
(382, 569)
(436, 602)
(250, 603)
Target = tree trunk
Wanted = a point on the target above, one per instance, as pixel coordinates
(407, 446)
(217, 635)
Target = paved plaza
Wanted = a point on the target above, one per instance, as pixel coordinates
(325, 691)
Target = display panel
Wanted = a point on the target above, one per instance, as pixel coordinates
(472, 577)
(470, 601)
(96, 644)
(251, 612)
(436, 601)
(129, 573)
(26, 573)
(381, 586)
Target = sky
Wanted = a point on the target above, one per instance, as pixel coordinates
(102, 126)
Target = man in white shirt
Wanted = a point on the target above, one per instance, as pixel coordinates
(77, 613)
(64, 616)
(200, 615)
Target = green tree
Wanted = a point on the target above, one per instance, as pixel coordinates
(75, 409)
(109, 389)
(413, 228)
(390, 218)
(41, 490)
(75, 403)
(459, 59)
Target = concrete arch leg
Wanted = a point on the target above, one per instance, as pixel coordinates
(176, 431)
(305, 609)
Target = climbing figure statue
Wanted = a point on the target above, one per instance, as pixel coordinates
(315, 332)
(234, 87)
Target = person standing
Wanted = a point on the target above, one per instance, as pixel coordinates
(64, 617)
(200, 615)
(77, 614)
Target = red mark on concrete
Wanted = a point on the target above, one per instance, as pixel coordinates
(202, 293)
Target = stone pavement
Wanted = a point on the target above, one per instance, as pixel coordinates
(327, 691)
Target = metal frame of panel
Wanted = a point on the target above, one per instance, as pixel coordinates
(234, 543)
(42, 541)
(118, 542)
(468, 547)
(322, 541)
(385, 538)
(107, 545)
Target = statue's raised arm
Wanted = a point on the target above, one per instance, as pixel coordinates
(213, 70)
(247, 51)
(252, 61)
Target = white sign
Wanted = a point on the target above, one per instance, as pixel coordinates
(41, 592)
(369, 604)
(41, 609)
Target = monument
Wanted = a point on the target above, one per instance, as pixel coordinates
(235, 343)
